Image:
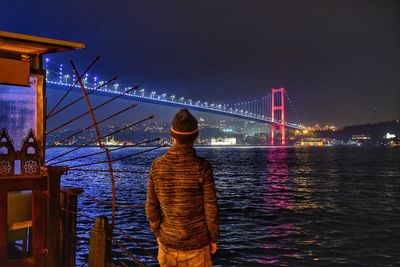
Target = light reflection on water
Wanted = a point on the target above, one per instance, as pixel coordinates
(278, 206)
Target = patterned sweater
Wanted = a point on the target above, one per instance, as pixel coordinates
(181, 204)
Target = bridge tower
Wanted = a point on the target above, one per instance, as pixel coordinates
(278, 113)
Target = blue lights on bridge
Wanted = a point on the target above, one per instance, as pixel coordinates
(63, 81)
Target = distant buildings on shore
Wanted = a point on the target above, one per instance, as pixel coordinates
(239, 132)
(228, 141)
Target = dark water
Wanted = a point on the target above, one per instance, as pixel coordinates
(278, 206)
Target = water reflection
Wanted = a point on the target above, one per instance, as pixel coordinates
(278, 206)
(286, 195)
(277, 193)
(277, 198)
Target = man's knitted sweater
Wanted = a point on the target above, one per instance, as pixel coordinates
(181, 201)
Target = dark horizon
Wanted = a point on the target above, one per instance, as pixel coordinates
(338, 60)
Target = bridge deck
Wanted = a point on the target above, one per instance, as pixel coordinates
(159, 100)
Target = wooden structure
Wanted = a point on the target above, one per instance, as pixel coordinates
(100, 243)
(22, 170)
(68, 237)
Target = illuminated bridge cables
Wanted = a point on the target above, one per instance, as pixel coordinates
(266, 105)
(70, 89)
(252, 108)
(94, 141)
(80, 98)
(111, 150)
(117, 159)
(292, 107)
(91, 125)
(95, 108)
(51, 71)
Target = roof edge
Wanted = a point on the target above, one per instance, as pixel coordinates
(40, 40)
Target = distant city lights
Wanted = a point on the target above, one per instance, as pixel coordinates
(389, 136)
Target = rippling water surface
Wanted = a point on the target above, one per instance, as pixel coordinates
(278, 206)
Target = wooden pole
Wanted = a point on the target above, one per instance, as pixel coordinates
(53, 211)
(3, 227)
(69, 204)
(100, 243)
(39, 226)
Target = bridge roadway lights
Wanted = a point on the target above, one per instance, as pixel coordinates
(277, 119)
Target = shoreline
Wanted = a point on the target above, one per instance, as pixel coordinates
(205, 146)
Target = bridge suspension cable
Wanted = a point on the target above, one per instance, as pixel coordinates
(292, 107)
(255, 110)
(260, 106)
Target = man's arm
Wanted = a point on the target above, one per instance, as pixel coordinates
(153, 212)
(210, 203)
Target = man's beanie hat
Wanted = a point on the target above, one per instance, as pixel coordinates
(184, 124)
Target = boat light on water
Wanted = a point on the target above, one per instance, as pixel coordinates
(317, 142)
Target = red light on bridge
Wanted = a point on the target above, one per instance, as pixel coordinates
(278, 113)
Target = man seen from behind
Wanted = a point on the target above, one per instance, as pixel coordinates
(181, 203)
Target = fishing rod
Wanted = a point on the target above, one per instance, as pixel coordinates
(102, 170)
(93, 141)
(95, 108)
(78, 99)
(101, 152)
(91, 125)
(117, 159)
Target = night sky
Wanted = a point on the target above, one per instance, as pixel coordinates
(337, 59)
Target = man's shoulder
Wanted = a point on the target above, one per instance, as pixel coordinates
(202, 160)
(158, 159)
(166, 157)
(204, 163)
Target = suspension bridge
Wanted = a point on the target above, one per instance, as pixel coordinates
(268, 109)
